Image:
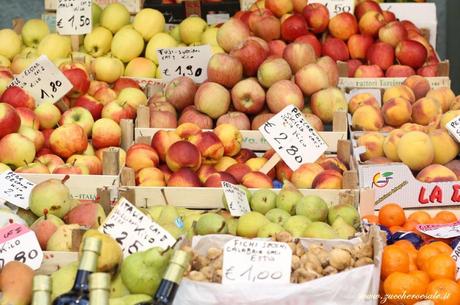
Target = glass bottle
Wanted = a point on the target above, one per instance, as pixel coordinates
(41, 290)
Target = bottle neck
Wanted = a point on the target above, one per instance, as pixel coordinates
(87, 266)
(174, 273)
(41, 297)
(99, 297)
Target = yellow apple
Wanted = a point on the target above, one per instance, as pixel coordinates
(4, 62)
(191, 29)
(23, 60)
(141, 67)
(98, 41)
(160, 40)
(107, 69)
(55, 46)
(4, 167)
(210, 36)
(133, 96)
(149, 22)
(34, 31)
(127, 44)
(48, 115)
(114, 16)
(10, 43)
(96, 11)
(216, 50)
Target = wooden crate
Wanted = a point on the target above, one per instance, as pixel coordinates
(133, 6)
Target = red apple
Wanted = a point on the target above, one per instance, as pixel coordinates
(411, 53)
(298, 55)
(352, 66)
(67, 140)
(95, 85)
(117, 111)
(381, 54)
(180, 92)
(248, 96)
(232, 33)
(331, 68)
(279, 7)
(299, 5)
(358, 45)
(47, 134)
(71, 169)
(91, 104)
(162, 119)
(225, 70)
(105, 95)
(28, 117)
(282, 94)
(268, 28)
(343, 26)
(366, 6)
(238, 119)
(93, 163)
(9, 120)
(50, 160)
(243, 16)
(429, 71)
(260, 119)
(311, 40)
(80, 81)
(317, 17)
(256, 16)
(123, 83)
(276, 48)
(371, 22)
(251, 55)
(17, 97)
(336, 49)
(191, 115)
(399, 71)
(389, 16)
(393, 33)
(260, 41)
(293, 27)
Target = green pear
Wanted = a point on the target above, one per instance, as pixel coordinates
(96, 11)
(232, 224)
(52, 195)
(155, 212)
(263, 201)
(117, 288)
(44, 227)
(131, 299)
(62, 279)
(269, 230)
(250, 223)
(343, 229)
(211, 223)
(168, 214)
(348, 212)
(287, 198)
(296, 225)
(184, 211)
(173, 230)
(277, 215)
(321, 230)
(61, 240)
(189, 220)
(28, 216)
(111, 253)
(313, 207)
(142, 271)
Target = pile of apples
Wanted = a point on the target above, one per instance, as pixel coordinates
(191, 157)
(372, 41)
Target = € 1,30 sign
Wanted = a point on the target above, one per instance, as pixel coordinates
(73, 17)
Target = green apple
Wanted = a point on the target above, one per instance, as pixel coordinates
(96, 11)
(114, 16)
(160, 40)
(149, 22)
(4, 61)
(55, 46)
(191, 29)
(107, 69)
(141, 67)
(98, 41)
(175, 33)
(127, 44)
(10, 43)
(34, 31)
(210, 36)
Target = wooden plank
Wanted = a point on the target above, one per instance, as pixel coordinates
(127, 133)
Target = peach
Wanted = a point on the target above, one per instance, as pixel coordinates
(399, 91)
(445, 147)
(336, 49)
(244, 155)
(397, 111)
(314, 121)
(284, 93)
(365, 71)
(209, 145)
(215, 179)
(205, 171)
(328, 179)
(419, 85)
(162, 140)
(311, 79)
(166, 171)
(371, 22)
(230, 137)
(140, 156)
(381, 54)
(358, 45)
(416, 150)
(361, 99)
(183, 154)
(260, 119)
(413, 127)
(303, 177)
(392, 33)
(186, 130)
(299, 54)
(387, 128)
(426, 111)
(449, 116)
(256, 163)
(257, 180)
(444, 95)
(365, 6)
(454, 166)
(311, 40)
(317, 17)
(411, 53)
(343, 26)
(327, 101)
(373, 141)
(455, 104)
(184, 177)
(283, 171)
(436, 173)
(150, 176)
(332, 163)
(332, 71)
(399, 71)
(224, 163)
(367, 118)
(238, 171)
(390, 144)
(299, 5)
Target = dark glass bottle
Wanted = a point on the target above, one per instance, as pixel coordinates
(170, 283)
(79, 294)
(99, 288)
(41, 289)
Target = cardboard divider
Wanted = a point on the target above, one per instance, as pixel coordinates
(55, 260)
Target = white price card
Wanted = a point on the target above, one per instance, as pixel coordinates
(43, 80)
(73, 17)
(134, 230)
(213, 19)
(237, 200)
(336, 7)
(454, 128)
(185, 61)
(293, 138)
(456, 257)
(252, 260)
(19, 243)
(448, 230)
(15, 189)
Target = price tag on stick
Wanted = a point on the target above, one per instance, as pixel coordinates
(73, 17)
(43, 80)
(15, 189)
(336, 7)
(186, 61)
(247, 260)
(19, 243)
(456, 257)
(237, 200)
(293, 138)
(134, 230)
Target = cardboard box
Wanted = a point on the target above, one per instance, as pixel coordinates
(133, 6)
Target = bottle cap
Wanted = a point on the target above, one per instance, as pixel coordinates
(99, 280)
(41, 283)
(181, 258)
(92, 244)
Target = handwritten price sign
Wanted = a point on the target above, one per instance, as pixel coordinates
(73, 17)
(248, 260)
(19, 243)
(186, 61)
(43, 80)
(134, 230)
(441, 231)
(237, 200)
(293, 138)
(337, 6)
(15, 189)
(454, 128)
